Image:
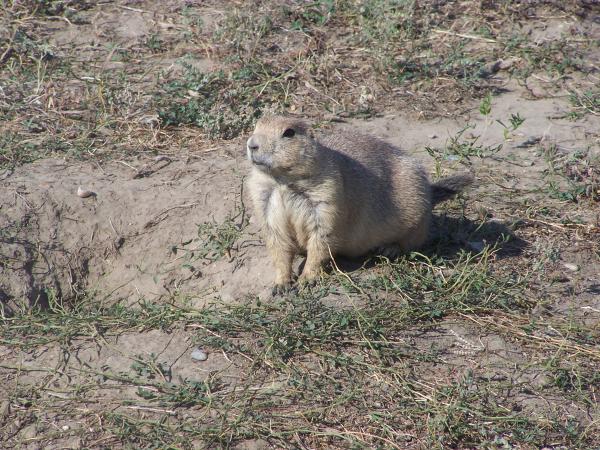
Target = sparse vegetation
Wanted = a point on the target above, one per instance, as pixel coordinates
(463, 146)
(572, 177)
(486, 338)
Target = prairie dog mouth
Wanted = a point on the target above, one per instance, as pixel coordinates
(261, 160)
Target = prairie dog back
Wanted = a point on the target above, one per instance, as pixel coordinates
(386, 194)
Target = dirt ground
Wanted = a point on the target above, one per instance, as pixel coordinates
(487, 338)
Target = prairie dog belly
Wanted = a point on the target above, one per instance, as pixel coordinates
(290, 214)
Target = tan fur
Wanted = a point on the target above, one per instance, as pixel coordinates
(348, 193)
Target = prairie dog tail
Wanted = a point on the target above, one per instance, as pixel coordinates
(450, 186)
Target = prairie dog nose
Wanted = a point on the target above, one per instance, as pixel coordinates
(252, 144)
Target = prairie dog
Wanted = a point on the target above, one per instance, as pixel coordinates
(347, 194)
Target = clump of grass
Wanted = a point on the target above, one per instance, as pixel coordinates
(61, 322)
(587, 102)
(462, 148)
(10, 153)
(577, 381)
(45, 7)
(392, 44)
(215, 240)
(149, 367)
(423, 290)
(222, 105)
(248, 34)
(555, 57)
(361, 370)
(571, 177)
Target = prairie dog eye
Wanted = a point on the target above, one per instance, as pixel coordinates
(288, 133)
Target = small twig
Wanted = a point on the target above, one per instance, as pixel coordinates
(497, 323)
(590, 227)
(132, 9)
(147, 408)
(59, 395)
(113, 227)
(337, 269)
(466, 36)
(25, 201)
(127, 164)
(159, 217)
(60, 18)
(468, 347)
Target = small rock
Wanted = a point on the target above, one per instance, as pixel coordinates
(4, 409)
(571, 267)
(84, 193)
(199, 355)
(65, 427)
(150, 121)
(490, 69)
(118, 242)
(507, 63)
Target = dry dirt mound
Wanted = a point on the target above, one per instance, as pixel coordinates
(147, 231)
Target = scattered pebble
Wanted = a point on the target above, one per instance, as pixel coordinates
(65, 427)
(199, 355)
(571, 267)
(118, 242)
(84, 193)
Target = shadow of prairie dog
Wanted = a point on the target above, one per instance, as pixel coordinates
(347, 193)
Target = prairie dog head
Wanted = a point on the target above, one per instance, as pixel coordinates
(283, 148)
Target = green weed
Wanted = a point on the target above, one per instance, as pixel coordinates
(214, 240)
(462, 148)
(200, 99)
